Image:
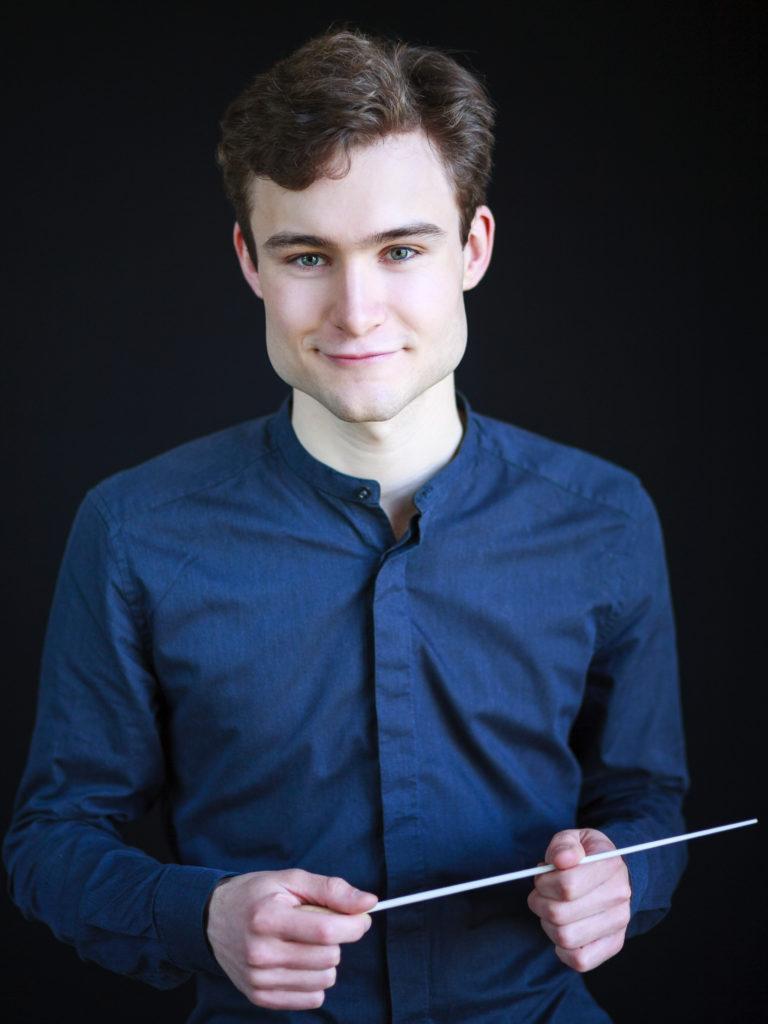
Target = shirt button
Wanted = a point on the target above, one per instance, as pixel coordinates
(363, 493)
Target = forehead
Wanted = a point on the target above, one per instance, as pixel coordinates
(396, 180)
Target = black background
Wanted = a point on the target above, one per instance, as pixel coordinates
(619, 314)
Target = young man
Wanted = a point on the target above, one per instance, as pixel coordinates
(374, 639)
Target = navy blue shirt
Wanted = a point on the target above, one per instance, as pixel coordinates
(236, 627)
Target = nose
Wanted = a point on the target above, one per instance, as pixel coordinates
(358, 300)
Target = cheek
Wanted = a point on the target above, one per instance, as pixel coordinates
(292, 311)
(427, 300)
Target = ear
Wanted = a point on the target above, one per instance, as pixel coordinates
(250, 273)
(477, 251)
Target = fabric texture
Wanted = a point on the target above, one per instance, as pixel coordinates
(236, 631)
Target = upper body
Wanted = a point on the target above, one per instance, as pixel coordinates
(307, 691)
(375, 638)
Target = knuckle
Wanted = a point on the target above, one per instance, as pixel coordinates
(567, 891)
(579, 961)
(293, 878)
(335, 886)
(325, 933)
(566, 937)
(257, 997)
(254, 976)
(555, 914)
(293, 875)
(331, 956)
(547, 928)
(256, 954)
(262, 921)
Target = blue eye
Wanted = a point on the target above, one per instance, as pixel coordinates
(399, 254)
(307, 256)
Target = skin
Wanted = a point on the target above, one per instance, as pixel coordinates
(278, 955)
(584, 910)
(394, 420)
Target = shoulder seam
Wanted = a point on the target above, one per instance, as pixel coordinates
(557, 483)
(150, 507)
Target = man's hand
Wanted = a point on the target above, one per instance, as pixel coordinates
(584, 910)
(280, 956)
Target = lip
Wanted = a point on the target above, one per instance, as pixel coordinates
(363, 357)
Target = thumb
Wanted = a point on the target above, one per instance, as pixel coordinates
(336, 894)
(595, 842)
(565, 849)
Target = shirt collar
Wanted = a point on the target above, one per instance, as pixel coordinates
(359, 489)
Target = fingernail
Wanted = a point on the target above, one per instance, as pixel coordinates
(562, 848)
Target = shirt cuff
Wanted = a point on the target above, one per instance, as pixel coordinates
(180, 903)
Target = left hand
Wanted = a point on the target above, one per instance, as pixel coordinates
(584, 910)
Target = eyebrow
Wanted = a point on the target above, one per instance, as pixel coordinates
(288, 240)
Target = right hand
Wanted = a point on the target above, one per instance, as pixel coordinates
(279, 956)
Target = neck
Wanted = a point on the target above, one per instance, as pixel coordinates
(401, 453)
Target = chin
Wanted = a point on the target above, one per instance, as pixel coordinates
(363, 414)
(357, 409)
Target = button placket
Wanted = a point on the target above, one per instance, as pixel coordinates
(398, 768)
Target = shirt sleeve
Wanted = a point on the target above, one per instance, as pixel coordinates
(629, 733)
(96, 761)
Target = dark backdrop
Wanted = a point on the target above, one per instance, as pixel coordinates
(618, 315)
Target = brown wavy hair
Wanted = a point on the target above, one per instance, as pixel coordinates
(346, 88)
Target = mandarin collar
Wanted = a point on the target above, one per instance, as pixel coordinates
(363, 490)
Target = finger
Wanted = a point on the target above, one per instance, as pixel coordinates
(588, 929)
(293, 955)
(278, 999)
(327, 891)
(586, 958)
(565, 849)
(574, 883)
(568, 847)
(278, 978)
(613, 892)
(274, 919)
(594, 841)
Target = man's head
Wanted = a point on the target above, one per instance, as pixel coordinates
(300, 119)
(357, 168)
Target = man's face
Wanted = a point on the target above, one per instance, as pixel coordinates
(340, 292)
